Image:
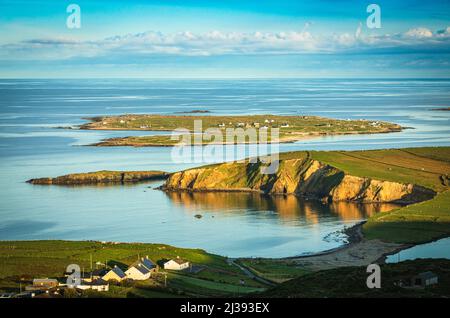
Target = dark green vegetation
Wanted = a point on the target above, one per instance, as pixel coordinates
(274, 271)
(292, 128)
(351, 282)
(102, 177)
(21, 261)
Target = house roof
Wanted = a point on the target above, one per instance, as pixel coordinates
(144, 262)
(144, 270)
(179, 261)
(118, 272)
(148, 263)
(99, 272)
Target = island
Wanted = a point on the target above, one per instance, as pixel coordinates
(442, 108)
(102, 177)
(291, 128)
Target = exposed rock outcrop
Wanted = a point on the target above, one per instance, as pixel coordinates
(303, 177)
(102, 177)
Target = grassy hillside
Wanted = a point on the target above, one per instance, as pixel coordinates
(422, 166)
(351, 282)
(20, 261)
(415, 223)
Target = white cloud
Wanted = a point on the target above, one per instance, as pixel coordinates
(225, 43)
(419, 33)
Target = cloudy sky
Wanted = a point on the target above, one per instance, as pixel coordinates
(223, 39)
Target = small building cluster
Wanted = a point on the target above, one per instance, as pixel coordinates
(98, 279)
(267, 124)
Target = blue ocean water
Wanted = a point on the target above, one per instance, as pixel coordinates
(233, 224)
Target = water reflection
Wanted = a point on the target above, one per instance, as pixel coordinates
(284, 207)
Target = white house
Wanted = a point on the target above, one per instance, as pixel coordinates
(138, 272)
(141, 270)
(177, 264)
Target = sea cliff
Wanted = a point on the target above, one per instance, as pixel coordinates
(304, 177)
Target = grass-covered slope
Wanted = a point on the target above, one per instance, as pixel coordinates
(415, 223)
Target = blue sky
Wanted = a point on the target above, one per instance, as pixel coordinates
(227, 38)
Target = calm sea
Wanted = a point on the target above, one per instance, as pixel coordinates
(233, 224)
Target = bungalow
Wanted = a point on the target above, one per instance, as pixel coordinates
(141, 270)
(222, 125)
(138, 272)
(177, 264)
(114, 274)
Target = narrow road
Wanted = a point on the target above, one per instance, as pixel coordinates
(250, 274)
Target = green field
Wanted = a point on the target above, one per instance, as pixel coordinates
(428, 166)
(415, 223)
(291, 128)
(21, 261)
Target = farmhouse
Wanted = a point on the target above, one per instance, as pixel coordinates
(114, 274)
(177, 264)
(141, 270)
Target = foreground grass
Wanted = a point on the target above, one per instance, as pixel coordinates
(21, 261)
(274, 270)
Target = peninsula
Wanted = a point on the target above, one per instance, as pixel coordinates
(102, 177)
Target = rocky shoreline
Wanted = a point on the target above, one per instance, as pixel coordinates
(102, 177)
